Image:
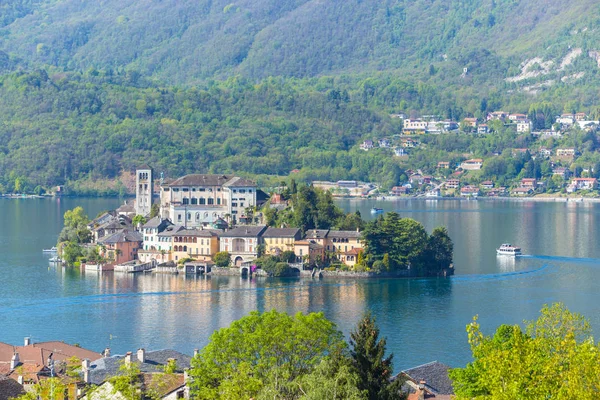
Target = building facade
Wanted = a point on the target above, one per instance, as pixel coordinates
(201, 199)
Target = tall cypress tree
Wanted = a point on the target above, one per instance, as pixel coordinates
(371, 363)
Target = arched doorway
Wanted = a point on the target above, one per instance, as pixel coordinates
(238, 261)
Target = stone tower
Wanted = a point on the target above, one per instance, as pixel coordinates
(144, 188)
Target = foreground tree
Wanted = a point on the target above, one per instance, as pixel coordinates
(373, 366)
(555, 357)
(263, 356)
(222, 259)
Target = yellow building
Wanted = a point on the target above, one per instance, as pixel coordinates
(194, 243)
(278, 240)
(343, 245)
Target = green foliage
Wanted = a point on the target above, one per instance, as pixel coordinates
(128, 382)
(51, 388)
(222, 259)
(154, 210)
(393, 243)
(75, 227)
(276, 265)
(139, 220)
(370, 361)
(269, 351)
(555, 357)
(71, 253)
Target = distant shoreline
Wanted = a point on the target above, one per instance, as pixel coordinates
(483, 198)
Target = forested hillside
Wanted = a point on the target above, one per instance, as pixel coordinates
(90, 89)
(189, 40)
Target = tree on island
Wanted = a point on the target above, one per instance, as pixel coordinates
(222, 259)
(555, 357)
(75, 227)
(370, 361)
(138, 220)
(393, 243)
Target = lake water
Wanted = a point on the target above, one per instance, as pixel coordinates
(423, 319)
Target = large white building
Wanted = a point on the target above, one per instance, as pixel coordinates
(200, 199)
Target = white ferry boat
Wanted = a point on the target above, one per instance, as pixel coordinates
(507, 249)
(52, 250)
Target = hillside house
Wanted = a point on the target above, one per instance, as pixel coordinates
(472, 122)
(514, 118)
(483, 129)
(544, 152)
(524, 126)
(566, 153)
(443, 164)
(497, 116)
(521, 191)
(584, 183)
(400, 190)
(469, 191)
(367, 145)
(278, 240)
(414, 126)
(400, 152)
(562, 172)
(121, 247)
(487, 185)
(473, 164)
(529, 183)
(452, 184)
(580, 116)
(566, 119)
(385, 143)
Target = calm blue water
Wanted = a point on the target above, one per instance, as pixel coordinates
(423, 319)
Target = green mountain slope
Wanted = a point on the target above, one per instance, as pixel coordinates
(189, 40)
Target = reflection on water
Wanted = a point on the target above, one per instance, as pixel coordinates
(424, 319)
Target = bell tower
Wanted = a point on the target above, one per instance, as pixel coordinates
(144, 188)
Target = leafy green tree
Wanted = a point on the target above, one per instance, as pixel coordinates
(128, 382)
(222, 259)
(51, 388)
(334, 378)
(269, 350)
(71, 252)
(370, 361)
(138, 220)
(439, 251)
(555, 357)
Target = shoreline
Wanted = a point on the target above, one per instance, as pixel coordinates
(557, 199)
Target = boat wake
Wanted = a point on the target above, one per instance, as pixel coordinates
(499, 276)
(582, 260)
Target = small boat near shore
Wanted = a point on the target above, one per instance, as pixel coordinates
(55, 260)
(376, 210)
(507, 249)
(51, 250)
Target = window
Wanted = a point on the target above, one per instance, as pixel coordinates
(184, 248)
(189, 216)
(176, 189)
(202, 201)
(186, 189)
(166, 189)
(234, 190)
(241, 204)
(249, 190)
(186, 201)
(193, 189)
(242, 190)
(205, 215)
(197, 216)
(211, 201)
(219, 201)
(233, 204)
(202, 189)
(179, 217)
(194, 200)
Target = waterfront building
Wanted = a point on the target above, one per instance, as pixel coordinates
(155, 248)
(278, 240)
(121, 247)
(309, 251)
(242, 243)
(201, 199)
(144, 190)
(194, 243)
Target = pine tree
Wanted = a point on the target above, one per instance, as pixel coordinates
(371, 363)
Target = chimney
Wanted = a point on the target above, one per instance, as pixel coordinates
(141, 355)
(128, 358)
(421, 391)
(196, 352)
(20, 379)
(106, 352)
(27, 341)
(85, 368)
(14, 361)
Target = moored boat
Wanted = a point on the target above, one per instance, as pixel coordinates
(51, 250)
(376, 210)
(507, 249)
